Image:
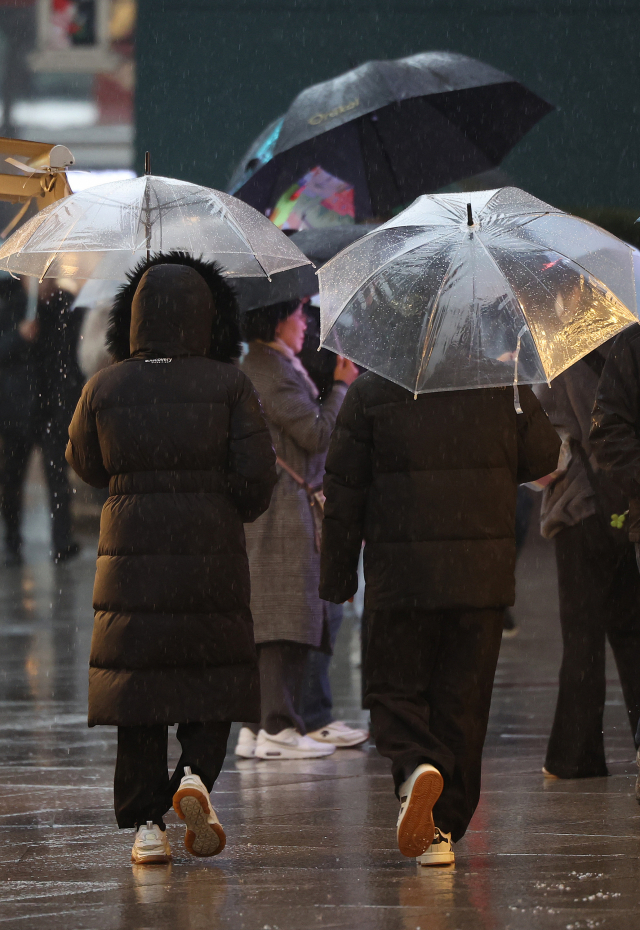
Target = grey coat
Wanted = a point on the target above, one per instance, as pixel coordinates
(284, 562)
(578, 492)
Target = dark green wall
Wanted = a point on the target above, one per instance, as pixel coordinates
(212, 73)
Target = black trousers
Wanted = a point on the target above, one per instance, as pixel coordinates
(599, 590)
(142, 788)
(282, 666)
(428, 683)
(52, 437)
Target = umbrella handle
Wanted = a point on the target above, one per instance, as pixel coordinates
(516, 392)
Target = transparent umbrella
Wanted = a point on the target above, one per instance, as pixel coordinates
(475, 290)
(102, 231)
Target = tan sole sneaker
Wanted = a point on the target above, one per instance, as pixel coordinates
(418, 794)
(202, 838)
(151, 846)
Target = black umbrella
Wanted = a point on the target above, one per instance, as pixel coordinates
(392, 130)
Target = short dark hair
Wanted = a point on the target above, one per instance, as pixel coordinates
(261, 323)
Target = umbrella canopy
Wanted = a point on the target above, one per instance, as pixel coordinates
(374, 138)
(477, 289)
(318, 245)
(102, 232)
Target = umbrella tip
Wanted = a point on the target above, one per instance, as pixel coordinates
(147, 163)
(469, 215)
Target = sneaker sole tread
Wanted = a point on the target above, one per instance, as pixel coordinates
(417, 829)
(201, 838)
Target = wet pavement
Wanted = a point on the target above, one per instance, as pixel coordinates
(310, 844)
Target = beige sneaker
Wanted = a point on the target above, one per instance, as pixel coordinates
(191, 802)
(151, 846)
(418, 794)
(440, 852)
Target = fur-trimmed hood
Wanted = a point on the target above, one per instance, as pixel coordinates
(225, 332)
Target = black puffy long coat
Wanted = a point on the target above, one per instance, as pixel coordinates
(181, 442)
(430, 485)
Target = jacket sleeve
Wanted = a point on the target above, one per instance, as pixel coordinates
(251, 472)
(310, 424)
(538, 442)
(616, 418)
(83, 449)
(346, 483)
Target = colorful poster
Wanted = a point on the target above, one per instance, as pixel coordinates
(317, 199)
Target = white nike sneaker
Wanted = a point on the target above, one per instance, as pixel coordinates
(246, 745)
(191, 802)
(440, 852)
(418, 794)
(289, 744)
(151, 845)
(340, 735)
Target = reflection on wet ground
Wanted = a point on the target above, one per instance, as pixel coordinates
(310, 844)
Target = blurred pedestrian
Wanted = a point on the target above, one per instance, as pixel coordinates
(176, 432)
(430, 485)
(615, 442)
(290, 619)
(16, 406)
(42, 357)
(598, 582)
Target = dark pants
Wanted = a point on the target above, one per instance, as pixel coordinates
(52, 438)
(429, 677)
(316, 706)
(599, 589)
(142, 788)
(281, 664)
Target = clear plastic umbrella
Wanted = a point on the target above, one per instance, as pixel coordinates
(103, 231)
(475, 290)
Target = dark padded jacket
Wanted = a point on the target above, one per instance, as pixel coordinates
(430, 486)
(615, 427)
(181, 442)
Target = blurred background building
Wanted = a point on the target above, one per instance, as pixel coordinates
(67, 75)
(212, 75)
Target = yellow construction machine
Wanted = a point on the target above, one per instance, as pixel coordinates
(32, 172)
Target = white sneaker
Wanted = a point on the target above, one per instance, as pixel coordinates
(418, 794)
(151, 845)
(191, 802)
(289, 744)
(440, 852)
(246, 745)
(340, 735)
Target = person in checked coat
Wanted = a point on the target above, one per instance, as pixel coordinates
(430, 485)
(290, 619)
(177, 434)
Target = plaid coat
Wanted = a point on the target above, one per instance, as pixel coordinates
(284, 562)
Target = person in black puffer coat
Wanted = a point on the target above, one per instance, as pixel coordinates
(181, 442)
(430, 485)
